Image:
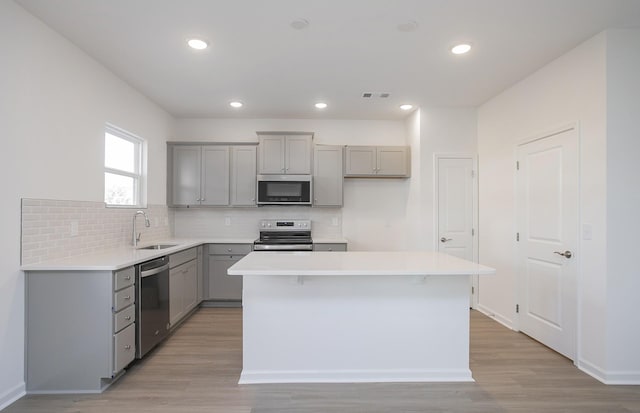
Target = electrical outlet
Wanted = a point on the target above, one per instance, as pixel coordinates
(74, 228)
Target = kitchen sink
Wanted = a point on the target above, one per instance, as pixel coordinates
(157, 246)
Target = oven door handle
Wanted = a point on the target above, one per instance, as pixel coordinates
(154, 271)
(280, 247)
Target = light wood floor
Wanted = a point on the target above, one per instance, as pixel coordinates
(197, 369)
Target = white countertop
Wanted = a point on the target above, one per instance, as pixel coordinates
(355, 263)
(325, 240)
(115, 259)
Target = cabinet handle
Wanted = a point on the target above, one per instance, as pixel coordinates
(228, 249)
(128, 297)
(127, 347)
(128, 318)
(128, 278)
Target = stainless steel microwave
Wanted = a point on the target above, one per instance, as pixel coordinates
(284, 189)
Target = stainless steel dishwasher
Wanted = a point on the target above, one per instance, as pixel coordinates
(152, 304)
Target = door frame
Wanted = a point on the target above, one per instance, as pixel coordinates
(436, 190)
(547, 133)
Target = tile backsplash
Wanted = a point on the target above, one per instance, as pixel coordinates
(53, 229)
(243, 222)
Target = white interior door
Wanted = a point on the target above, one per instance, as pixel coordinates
(547, 191)
(455, 217)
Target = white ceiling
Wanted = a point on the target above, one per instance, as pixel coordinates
(349, 47)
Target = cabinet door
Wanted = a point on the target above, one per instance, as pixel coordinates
(176, 306)
(124, 348)
(271, 154)
(243, 175)
(360, 160)
(392, 161)
(185, 188)
(190, 285)
(215, 175)
(221, 285)
(298, 155)
(330, 247)
(327, 175)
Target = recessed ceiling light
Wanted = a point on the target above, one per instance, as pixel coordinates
(321, 105)
(236, 104)
(406, 107)
(461, 48)
(300, 24)
(197, 44)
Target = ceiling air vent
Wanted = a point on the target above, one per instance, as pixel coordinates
(376, 95)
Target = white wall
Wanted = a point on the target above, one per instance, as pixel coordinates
(401, 209)
(370, 205)
(54, 103)
(595, 84)
(623, 205)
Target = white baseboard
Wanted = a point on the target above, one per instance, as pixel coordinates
(505, 321)
(12, 395)
(609, 377)
(355, 376)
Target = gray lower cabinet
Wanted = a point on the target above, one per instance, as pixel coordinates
(183, 284)
(223, 287)
(337, 246)
(80, 329)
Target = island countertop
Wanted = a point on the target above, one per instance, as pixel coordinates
(320, 263)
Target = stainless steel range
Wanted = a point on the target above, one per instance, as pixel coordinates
(284, 235)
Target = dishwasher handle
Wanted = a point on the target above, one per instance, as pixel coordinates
(154, 271)
(153, 267)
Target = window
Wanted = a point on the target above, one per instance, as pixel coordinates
(122, 168)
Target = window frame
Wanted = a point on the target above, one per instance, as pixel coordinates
(138, 175)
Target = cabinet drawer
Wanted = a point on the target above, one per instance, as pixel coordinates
(124, 348)
(182, 257)
(330, 247)
(123, 318)
(124, 278)
(124, 298)
(226, 249)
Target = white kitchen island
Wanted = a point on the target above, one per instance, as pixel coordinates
(330, 317)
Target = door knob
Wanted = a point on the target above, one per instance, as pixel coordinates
(566, 254)
(443, 239)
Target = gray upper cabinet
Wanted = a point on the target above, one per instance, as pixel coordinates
(215, 175)
(377, 161)
(243, 175)
(185, 175)
(200, 175)
(327, 175)
(211, 175)
(284, 154)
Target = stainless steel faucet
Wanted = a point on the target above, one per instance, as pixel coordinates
(136, 234)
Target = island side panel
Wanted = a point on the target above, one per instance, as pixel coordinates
(355, 329)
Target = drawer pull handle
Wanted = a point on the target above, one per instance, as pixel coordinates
(228, 249)
(127, 347)
(128, 318)
(128, 278)
(127, 297)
